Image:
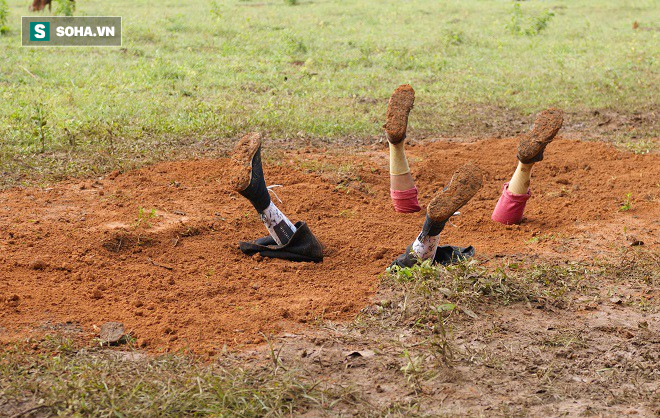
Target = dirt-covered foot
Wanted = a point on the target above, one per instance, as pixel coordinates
(546, 126)
(464, 184)
(246, 175)
(240, 171)
(398, 109)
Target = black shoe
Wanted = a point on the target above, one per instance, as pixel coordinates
(303, 246)
(444, 255)
(407, 259)
(246, 173)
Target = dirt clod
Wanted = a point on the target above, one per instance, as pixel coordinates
(38, 264)
(111, 332)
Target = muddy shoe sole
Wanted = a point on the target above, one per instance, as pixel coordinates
(464, 184)
(398, 109)
(546, 126)
(240, 166)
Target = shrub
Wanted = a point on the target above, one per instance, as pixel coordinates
(4, 13)
(531, 26)
(65, 7)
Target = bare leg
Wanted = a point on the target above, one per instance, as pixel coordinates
(400, 177)
(519, 183)
(402, 185)
(511, 204)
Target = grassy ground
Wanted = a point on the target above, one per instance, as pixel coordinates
(528, 352)
(193, 76)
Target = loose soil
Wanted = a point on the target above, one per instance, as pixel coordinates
(90, 252)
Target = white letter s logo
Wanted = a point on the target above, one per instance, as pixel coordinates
(39, 32)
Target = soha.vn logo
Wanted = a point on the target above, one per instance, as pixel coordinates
(40, 31)
(85, 31)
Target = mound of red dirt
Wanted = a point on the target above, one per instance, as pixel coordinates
(95, 251)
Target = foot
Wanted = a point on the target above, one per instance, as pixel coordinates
(398, 109)
(464, 184)
(246, 175)
(532, 144)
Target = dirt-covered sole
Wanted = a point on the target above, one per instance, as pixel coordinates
(398, 109)
(464, 184)
(546, 126)
(240, 166)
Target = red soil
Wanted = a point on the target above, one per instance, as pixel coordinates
(80, 252)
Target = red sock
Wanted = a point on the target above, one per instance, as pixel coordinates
(509, 209)
(405, 201)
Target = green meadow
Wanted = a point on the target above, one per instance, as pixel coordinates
(193, 76)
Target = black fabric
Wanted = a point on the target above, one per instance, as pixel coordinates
(283, 232)
(445, 255)
(431, 228)
(303, 246)
(256, 192)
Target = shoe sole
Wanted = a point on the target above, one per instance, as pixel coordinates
(464, 184)
(240, 166)
(546, 126)
(398, 109)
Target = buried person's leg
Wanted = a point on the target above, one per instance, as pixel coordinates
(464, 184)
(286, 240)
(248, 179)
(402, 186)
(511, 204)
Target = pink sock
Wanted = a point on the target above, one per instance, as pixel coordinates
(405, 201)
(509, 209)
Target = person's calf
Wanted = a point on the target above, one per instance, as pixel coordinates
(402, 185)
(511, 205)
(247, 178)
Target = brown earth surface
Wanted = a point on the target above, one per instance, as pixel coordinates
(83, 253)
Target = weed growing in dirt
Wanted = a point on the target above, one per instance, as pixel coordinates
(457, 288)
(144, 218)
(627, 203)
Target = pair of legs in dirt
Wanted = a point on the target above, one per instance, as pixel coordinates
(464, 184)
(297, 243)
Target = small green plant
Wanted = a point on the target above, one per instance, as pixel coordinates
(65, 7)
(4, 13)
(530, 27)
(627, 203)
(422, 271)
(144, 218)
(40, 130)
(291, 2)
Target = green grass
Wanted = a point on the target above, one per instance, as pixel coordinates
(64, 379)
(193, 75)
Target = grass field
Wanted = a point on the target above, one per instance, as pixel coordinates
(191, 77)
